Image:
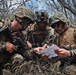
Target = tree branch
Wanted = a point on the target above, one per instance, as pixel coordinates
(65, 5)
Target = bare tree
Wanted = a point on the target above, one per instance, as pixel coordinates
(68, 7)
(8, 6)
(69, 4)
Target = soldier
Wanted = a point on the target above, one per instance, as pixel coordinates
(66, 36)
(60, 23)
(23, 18)
(39, 33)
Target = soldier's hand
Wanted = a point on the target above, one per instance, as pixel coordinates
(45, 46)
(15, 26)
(62, 53)
(10, 47)
(39, 49)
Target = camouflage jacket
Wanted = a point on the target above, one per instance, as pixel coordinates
(40, 37)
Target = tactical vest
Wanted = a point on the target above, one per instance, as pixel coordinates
(38, 35)
(67, 38)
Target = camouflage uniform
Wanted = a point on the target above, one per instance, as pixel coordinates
(40, 37)
(21, 12)
(36, 36)
(66, 38)
(70, 33)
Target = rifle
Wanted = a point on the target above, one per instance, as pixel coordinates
(34, 44)
(21, 46)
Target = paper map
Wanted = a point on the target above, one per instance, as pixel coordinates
(49, 51)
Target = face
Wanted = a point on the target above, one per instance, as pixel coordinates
(58, 27)
(23, 22)
(15, 25)
(42, 25)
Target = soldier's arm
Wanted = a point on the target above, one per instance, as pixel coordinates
(49, 38)
(62, 53)
(7, 46)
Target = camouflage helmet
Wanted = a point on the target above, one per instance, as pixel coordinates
(23, 11)
(58, 17)
(41, 15)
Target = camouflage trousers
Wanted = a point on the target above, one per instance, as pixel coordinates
(70, 70)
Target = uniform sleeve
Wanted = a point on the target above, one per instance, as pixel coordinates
(49, 38)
